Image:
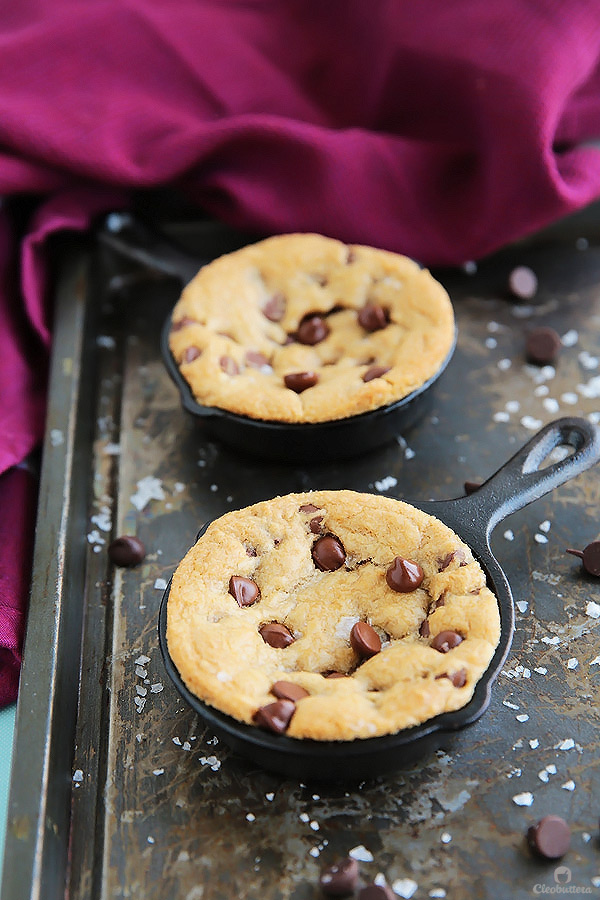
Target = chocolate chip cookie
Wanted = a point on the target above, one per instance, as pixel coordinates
(304, 328)
(331, 615)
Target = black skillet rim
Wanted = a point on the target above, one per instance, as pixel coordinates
(361, 747)
(189, 402)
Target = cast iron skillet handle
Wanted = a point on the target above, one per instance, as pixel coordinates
(135, 240)
(520, 481)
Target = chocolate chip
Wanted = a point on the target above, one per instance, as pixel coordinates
(458, 679)
(229, 365)
(191, 353)
(472, 486)
(404, 575)
(276, 635)
(523, 283)
(275, 716)
(256, 359)
(550, 838)
(373, 317)
(339, 879)
(251, 551)
(445, 561)
(446, 640)
(335, 675)
(288, 690)
(542, 346)
(424, 628)
(350, 256)
(376, 892)
(316, 524)
(126, 551)
(181, 323)
(328, 553)
(312, 330)
(364, 640)
(375, 372)
(308, 508)
(590, 557)
(300, 381)
(274, 308)
(244, 591)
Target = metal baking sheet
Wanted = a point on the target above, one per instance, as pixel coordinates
(118, 791)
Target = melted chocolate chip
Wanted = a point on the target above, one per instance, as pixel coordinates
(328, 553)
(275, 716)
(274, 308)
(542, 346)
(244, 590)
(549, 838)
(375, 372)
(288, 690)
(300, 381)
(340, 879)
(424, 628)
(335, 675)
(251, 551)
(350, 256)
(404, 575)
(126, 551)
(364, 640)
(181, 323)
(523, 283)
(590, 557)
(309, 508)
(376, 892)
(316, 524)
(373, 317)
(256, 359)
(458, 678)
(446, 640)
(276, 635)
(312, 330)
(445, 561)
(191, 353)
(229, 365)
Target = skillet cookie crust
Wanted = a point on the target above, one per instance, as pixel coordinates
(331, 615)
(304, 328)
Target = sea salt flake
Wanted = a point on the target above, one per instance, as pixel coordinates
(543, 776)
(314, 851)
(361, 854)
(405, 887)
(542, 390)
(512, 406)
(140, 690)
(509, 535)
(102, 520)
(572, 663)
(250, 817)
(186, 745)
(504, 364)
(567, 744)
(160, 584)
(550, 405)
(510, 705)
(551, 640)
(541, 670)
(270, 796)
(570, 338)
(531, 423)
(570, 398)
(142, 660)
(177, 741)
(491, 343)
(78, 775)
(148, 488)
(409, 454)
(568, 786)
(437, 894)
(445, 837)
(94, 537)
(593, 610)
(304, 817)
(596, 880)
(545, 526)
(590, 390)
(586, 837)
(534, 743)
(524, 799)
(501, 417)
(314, 825)
(494, 327)
(386, 483)
(522, 606)
(156, 688)
(595, 662)
(540, 538)
(523, 717)
(158, 771)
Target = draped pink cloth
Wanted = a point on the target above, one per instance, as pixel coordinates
(442, 130)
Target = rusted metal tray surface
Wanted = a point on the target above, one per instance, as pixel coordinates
(118, 791)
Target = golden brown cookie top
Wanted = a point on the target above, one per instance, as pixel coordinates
(331, 615)
(304, 328)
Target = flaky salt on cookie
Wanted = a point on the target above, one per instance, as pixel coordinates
(304, 328)
(331, 615)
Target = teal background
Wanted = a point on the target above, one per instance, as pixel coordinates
(7, 728)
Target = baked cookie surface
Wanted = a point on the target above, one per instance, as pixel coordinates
(304, 328)
(331, 615)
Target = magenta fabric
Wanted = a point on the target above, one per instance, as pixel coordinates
(443, 130)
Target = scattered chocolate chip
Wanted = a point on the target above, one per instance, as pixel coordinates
(455, 555)
(590, 557)
(191, 353)
(320, 278)
(229, 365)
(364, 640)
(312, 330)
(316, 524)
(550, 838)
(472, 486)
(328, 553)
(181, 323)
(244, 590)
(251, 551)
(542, 346)
(350, 256)
(300, 381)
(126, 551)
(441, 601)
(308, 508)
(376, 892)
(523, 283)
(288, 690)
(458, 679)
(424, 628)
(335, 675)
(276, 635)
(404, 575)
(446, 640)
(375, 372)
(340, 879)
(275, 716)
(274, 308)
(373, 317)
(256, 359)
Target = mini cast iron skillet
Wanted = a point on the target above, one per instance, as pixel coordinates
(519, 482)
(286, 441)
